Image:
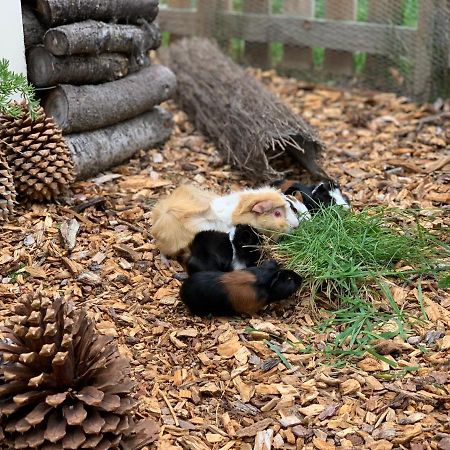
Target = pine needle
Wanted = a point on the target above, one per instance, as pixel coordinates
(14, 83)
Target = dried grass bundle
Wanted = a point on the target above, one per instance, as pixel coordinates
(249, 125)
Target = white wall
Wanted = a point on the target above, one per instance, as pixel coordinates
(12, 46)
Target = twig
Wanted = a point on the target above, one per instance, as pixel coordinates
(175, 418)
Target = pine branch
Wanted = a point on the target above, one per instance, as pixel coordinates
(14, 83)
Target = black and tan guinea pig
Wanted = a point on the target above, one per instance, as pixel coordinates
(218, 251)
(238, 292)
(312, 196)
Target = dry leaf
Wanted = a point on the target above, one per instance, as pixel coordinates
(252, 430)
(312, 410)
(350, 386)
(246, 391)
(371, 364)
(322, 444)
(229, 348)
(136, 182)
(263, 440)
(68, 232)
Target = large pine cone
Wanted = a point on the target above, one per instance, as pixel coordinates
(62, 386)
(7, 189)
(39, 158)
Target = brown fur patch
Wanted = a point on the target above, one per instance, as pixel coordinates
(286, 184)
(240, 288)
(171, 218)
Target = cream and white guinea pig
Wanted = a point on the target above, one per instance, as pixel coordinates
(188, 210)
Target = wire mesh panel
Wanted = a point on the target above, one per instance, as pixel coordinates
(400, 46)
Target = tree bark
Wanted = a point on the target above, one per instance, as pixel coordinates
(249, 125)
(58, 12)
(94, 37)
(33, 30)
(96, 106)
(99, 150)
(45, 70)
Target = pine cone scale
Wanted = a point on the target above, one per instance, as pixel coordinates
(63, 386)
(31, 148)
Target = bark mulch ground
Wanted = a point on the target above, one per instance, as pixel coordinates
(213, 384)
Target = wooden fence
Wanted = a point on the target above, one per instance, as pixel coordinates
(339, 33)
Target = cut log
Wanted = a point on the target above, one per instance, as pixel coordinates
(58, 12)
(81, 108)
(94, 37)
(33, 30)
(99, 150)
(44, 69)
(249, 125)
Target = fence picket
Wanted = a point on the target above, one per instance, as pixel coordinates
(388, 12)
(181, 4)
(338, 62)
(296, 57)
(257, 54)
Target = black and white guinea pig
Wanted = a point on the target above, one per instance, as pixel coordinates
(312, 196)
(219, 251)
(238, 292)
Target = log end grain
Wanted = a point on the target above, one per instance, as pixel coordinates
(39, 63)
(56, 41)
(57, 106)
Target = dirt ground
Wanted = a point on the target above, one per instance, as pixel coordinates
(213, 384)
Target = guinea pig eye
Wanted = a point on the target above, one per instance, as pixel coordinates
(277, 213)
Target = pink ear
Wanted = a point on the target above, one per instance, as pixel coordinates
(262, 207)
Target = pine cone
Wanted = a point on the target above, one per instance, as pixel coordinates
(7, 189)
(62, 386)
(39, 158)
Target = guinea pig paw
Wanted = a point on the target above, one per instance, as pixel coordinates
(181, 276)
(165, 262)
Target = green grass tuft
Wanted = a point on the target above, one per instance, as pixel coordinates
(349, 258)
(338, 251)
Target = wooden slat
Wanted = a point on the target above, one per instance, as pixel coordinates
(257, 54)
(206, 12)
(339, 62)
(353, 36)
(183, 4)
(388, 12)
(221, 37)
(173, 21)
(296, 57)
(424, 48)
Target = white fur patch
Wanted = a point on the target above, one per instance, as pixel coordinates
(236, 263)
(223, 208)
(302, 211)
(336, 195)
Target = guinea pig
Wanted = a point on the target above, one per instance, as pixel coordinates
(238, 292)
(218, 251)
(312, 196)
(188, 210)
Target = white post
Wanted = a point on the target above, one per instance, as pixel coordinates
(12, 46)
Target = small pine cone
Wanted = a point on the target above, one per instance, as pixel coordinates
(39, 158)
(62, 386)
(7, 189)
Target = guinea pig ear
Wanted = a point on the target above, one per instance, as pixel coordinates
(262, 207)
(276, 278)
(298, 195)
(320, 188)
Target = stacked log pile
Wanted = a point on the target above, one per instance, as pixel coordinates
(90, 59)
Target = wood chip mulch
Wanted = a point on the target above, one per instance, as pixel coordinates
(211, 383)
